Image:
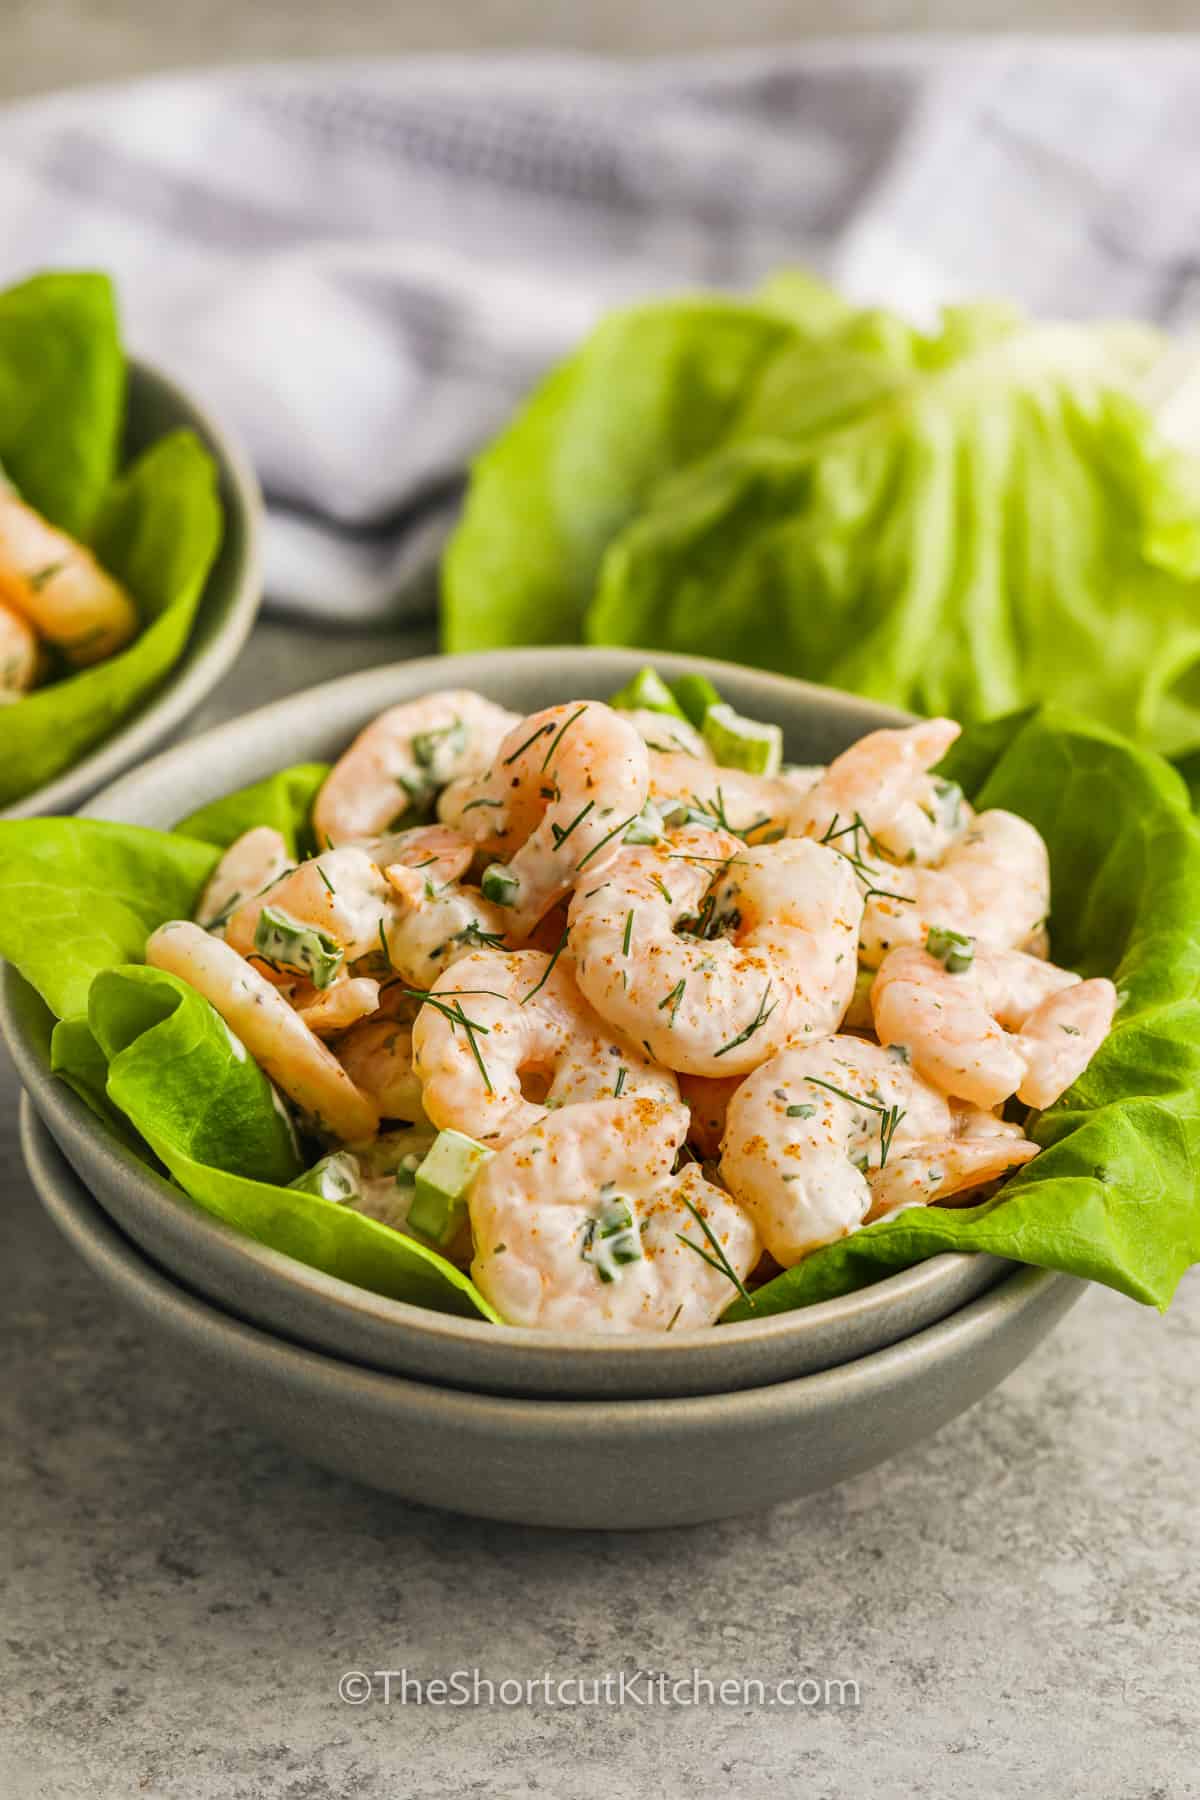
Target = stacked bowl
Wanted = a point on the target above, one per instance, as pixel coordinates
(539, 1427)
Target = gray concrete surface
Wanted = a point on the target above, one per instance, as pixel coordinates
(1018, 1598)
(68, 41)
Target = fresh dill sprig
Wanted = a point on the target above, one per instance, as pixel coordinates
(760, 1018)
(718, 1260)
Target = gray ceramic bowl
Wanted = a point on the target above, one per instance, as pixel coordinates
(285, 1296)
(579, 1463)
(223, 619)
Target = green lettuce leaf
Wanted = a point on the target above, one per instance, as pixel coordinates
(283, 801)
(650, 390)
(968, 520)
(1113, 1195)
(964, 525)
(213, 1119)
(62, 394)
(81, 895)
(158, 529)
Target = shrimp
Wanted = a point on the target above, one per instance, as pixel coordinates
(707, 1098)
(396, 765)
(261, 1019)
(882, 781)
(992, 884)
(981, 1148)
(750, 806)
(418, 863)
(335, 1008)
(556, 802)
(499, 1028)
(424, 941)
(340, 894)
(714, 954)
(1007, 1024)
(59, 586)
(378, 1057)
(815, 1133)
(18, 652)
(580, 1224)
(251, 863)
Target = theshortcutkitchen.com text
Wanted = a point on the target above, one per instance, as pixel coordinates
(614, 1688)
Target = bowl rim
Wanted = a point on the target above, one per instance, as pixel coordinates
(199, 668)
(470, 1334)
(545, 1417)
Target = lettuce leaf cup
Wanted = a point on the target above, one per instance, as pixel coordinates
(1111, 1197)
(155, 524)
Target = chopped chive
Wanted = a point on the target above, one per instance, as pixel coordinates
(606, 839)
(562, 833)
(472, 804)
(658, 882)
(674, 1316)
(521, 748)
(621, 1074)
(383, 945)
(558, 950)
(720, 1262)
(673, 999)
(628, 932)
(561, 733)
(760, 1018)
(325, 879)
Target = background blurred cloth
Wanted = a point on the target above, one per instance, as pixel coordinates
(364, 266)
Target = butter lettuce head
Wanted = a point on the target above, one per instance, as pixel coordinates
(968, 520)
(1112, 1196)
(155, 525)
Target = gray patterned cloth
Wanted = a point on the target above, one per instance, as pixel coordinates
(364, 266)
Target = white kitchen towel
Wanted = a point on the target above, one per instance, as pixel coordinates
(364, 266)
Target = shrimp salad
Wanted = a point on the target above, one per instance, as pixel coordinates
(624, 1014)
(59, 610)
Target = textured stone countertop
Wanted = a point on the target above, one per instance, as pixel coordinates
(1018, 1598)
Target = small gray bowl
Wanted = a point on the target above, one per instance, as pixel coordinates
(301, 1303)
(223, 619)
(584, 1464)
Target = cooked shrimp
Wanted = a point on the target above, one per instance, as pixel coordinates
(750, 806)
(883, 782)
(1007, 1024)
(807, 1133)
(501, 1027)
(18, 652)
(59, 586)
(992, 884)
(425, 940)
(579, 1225)
(341, 894)
(378, 1057)
(251, 863)
(555, 803)
(275, 1036)
(932, 1169)
(713, 954)
(330, 1010)
(418, 863)
(396, 765)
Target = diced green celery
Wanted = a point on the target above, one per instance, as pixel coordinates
(955, 952)
(442, 1183)
(647, 692)
(647, 828)
(695, 694)
(499, 884)
(335, 1177)
(740, 743)
(282, 939)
